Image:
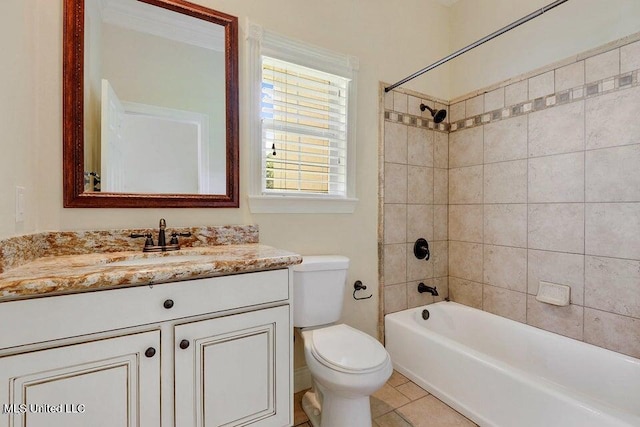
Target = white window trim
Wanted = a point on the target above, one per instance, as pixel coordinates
(265, 42)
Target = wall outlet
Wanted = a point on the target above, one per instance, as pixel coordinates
(19, 204)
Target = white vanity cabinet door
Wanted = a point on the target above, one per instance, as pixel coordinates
(235, 370)
(111, 382)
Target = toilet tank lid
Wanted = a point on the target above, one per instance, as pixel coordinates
(322, 262)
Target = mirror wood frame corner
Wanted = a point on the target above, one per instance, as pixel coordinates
(73, 117)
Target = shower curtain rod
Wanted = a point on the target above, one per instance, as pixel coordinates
(478, 43)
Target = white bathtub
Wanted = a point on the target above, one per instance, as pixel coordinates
(502, 373)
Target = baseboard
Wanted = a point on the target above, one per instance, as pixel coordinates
(301, 379)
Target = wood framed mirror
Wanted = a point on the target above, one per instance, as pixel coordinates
(173, 144)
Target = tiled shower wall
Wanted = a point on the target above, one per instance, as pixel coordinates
(544, 185)
(414, 196)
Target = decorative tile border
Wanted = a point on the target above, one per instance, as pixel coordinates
(417, 121)
(590, 90)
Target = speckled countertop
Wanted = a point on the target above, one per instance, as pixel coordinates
(30, 272)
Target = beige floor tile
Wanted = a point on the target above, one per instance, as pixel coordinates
(396, 379)
(430, 412)
(412, 390)
(391, 419)
(386, 400)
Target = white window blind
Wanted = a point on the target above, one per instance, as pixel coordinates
(304, 130)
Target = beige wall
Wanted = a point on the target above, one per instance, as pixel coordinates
(18, 118)
(571, 28)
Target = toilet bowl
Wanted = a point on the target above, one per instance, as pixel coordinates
(346, 365)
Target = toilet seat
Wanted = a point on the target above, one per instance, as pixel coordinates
(345, 349)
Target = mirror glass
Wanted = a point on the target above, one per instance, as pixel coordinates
(156, 84)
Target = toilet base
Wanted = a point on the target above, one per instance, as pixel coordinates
(336, 411)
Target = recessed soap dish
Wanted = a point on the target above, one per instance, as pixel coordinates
(554, 294)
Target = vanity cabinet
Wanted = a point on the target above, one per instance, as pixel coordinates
(228, 370)
(206, 352)
(108, 382)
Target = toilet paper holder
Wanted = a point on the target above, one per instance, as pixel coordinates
(358, 286)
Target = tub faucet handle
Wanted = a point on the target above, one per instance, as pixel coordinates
(421, 249)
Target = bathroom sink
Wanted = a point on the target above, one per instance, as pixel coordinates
(160, 260)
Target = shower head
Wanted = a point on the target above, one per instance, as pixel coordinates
(438, 115)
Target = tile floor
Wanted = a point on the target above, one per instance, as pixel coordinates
(401, 403)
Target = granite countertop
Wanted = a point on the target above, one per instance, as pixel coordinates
(63, 273)
(75, 273)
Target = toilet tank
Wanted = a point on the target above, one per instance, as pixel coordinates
(318, 289)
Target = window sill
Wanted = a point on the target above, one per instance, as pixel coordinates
(301, 205)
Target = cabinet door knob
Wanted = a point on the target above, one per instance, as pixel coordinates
(168, 303)
(184, 344)
(150, 352)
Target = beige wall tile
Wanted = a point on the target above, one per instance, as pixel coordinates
(505, 267)
(505, 140)
(440, 222)
(613, 230)
(557, 227)
(418, 269)
(612, 285)
(419, 185)
(505, 182)
(395, 264)
(630, 57)
(420, 220)
(420, 146)
(465, 147)
(400, 102)
(388, 101)
(465, 223)
(395, 142)
(612, 119)
(474, 106)
(494, 100)
(602, 66)
(558, 178)
(516, 93)
(441, 150)
(395, 298)
(440, 186)
(440, 258)
(395, 223)
(613, 174)
(541, 85)
(505, 303)
(456, 112)
(413, 105)
(465, 292)
(395, 183)
(557, 267)
(570, 76)
(567, 321)
(465, 260)
(612, 331)
(557, 130)
(506, 225)
(465, 185)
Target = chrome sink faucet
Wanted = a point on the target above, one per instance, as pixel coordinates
(150, 246)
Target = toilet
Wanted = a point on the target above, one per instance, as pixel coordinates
(346, 365)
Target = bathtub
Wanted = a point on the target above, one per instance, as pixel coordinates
(502, 373)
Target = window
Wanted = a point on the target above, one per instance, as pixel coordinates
(303, 127)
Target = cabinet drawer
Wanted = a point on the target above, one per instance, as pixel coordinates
(50, 318)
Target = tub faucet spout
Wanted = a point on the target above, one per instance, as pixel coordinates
(430, 289)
